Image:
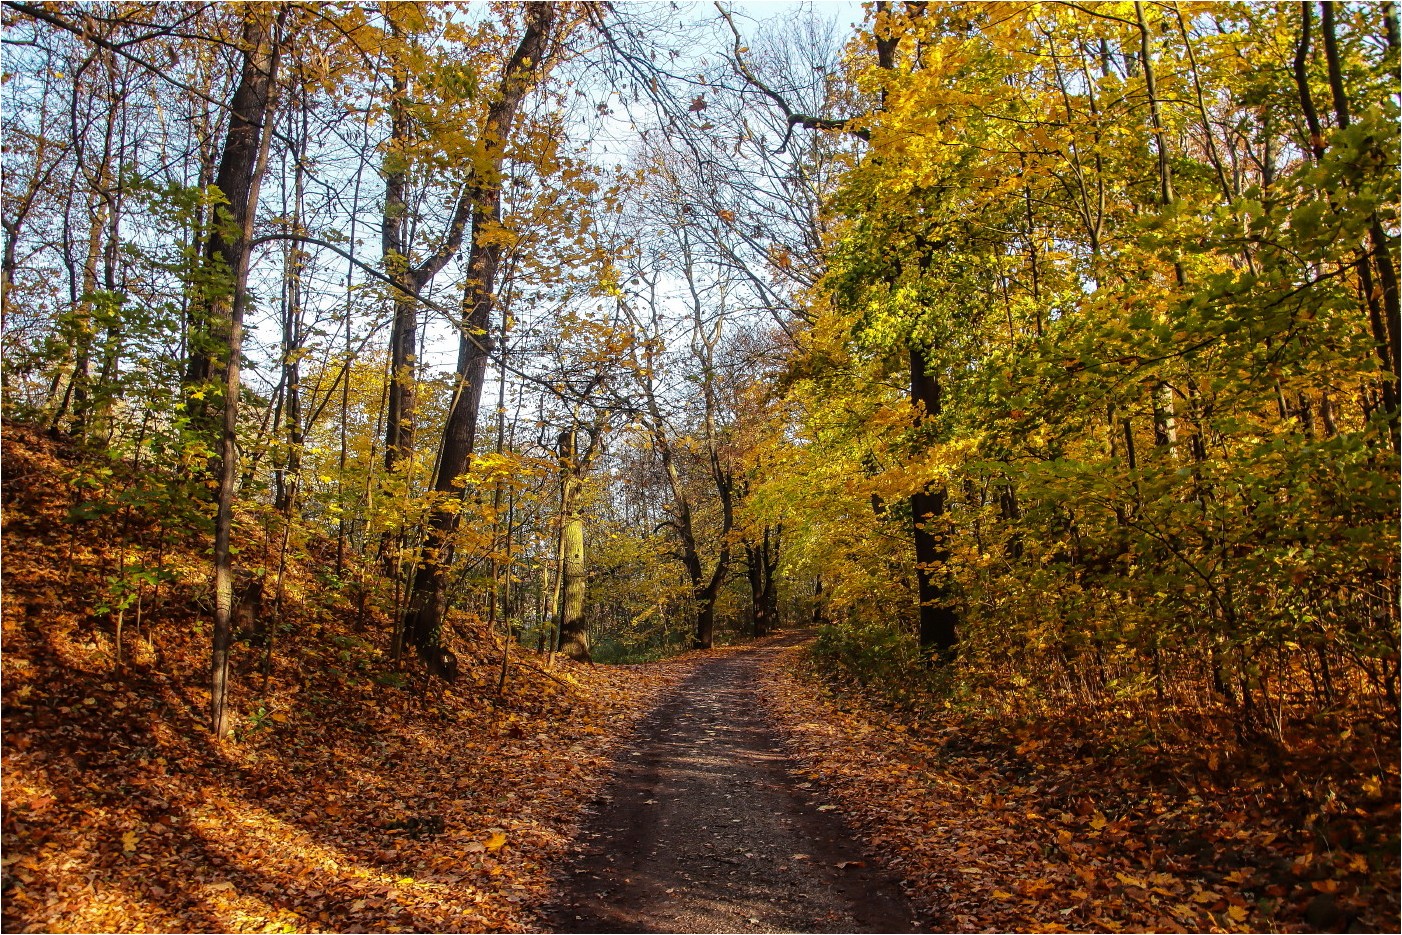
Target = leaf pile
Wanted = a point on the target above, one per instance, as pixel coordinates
(341, 804)
(1065, 825)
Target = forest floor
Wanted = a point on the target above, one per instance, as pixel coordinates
(760, 797)
(343, 801)
(734, 789)
(1082, 821)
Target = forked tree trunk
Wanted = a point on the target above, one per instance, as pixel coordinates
(769, 555)
(423, 618)
(754, 571)
(761, 561)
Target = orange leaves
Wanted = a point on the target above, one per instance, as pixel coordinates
(1017, 829)
(121, 815)
(289, 833)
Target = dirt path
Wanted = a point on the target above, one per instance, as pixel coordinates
(706, 828)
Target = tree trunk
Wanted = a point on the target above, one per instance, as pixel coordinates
(761, 560)
(240, 174)
(754, 571)
(294, 264)
(770, 558)
(423, 618)
(938, 618)
(1387, 330)
(404, 329)
(84, 326)
(230, 228)
(574, 634)
(706, 596)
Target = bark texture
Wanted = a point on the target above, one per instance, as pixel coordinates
(423, 618)
(240, 173)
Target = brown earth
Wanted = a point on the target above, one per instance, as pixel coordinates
(708, 827)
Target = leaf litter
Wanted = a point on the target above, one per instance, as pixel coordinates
(1057, 825)
(353, 807)
(345, 803)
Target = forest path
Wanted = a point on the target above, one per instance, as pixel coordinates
(705, 828)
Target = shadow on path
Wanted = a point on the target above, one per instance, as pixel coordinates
(707, 828)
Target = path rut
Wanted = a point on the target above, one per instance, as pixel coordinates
(706, 827)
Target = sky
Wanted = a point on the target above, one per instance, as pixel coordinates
(440, 345)
(440, 339)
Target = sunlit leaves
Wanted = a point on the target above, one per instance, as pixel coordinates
(1146, 405)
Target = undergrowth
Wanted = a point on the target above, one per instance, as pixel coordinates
(1307, 813)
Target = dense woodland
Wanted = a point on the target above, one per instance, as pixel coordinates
(1043, 357)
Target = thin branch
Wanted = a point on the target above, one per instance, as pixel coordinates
(793, 118)
(43, 15)
(454, 318)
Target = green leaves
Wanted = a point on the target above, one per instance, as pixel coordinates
(1163, 431)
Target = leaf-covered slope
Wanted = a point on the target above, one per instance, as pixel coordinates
(341, 805)
(1088, 822)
